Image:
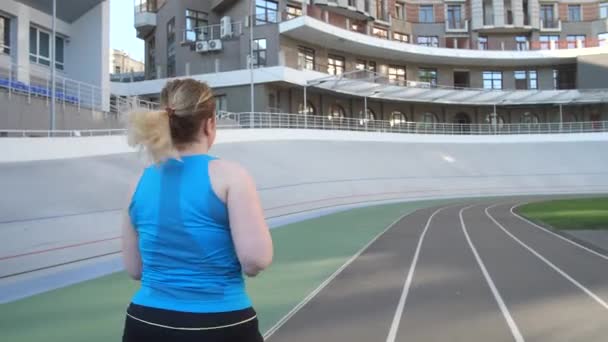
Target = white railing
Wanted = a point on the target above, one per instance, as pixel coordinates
(457, 26)
(551, 26)
(299, 121)
(35, 82)
(211, 32)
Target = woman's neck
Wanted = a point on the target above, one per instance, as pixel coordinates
(194, 148)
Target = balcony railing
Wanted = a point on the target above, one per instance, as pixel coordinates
(211, 32)
(457, 26)
(550, 25)
(257, 120)
(142, 6)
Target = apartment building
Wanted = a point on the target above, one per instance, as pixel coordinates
(81, 56)
(437, 60)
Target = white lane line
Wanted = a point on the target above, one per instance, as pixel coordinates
(501, 304)
(555, 234)
(392, 334)
(311, 295)
(549, 263)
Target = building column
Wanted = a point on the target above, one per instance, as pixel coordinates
(517, 6)
(534, 13)
(499, 12)
(22, 54)
(476, 14)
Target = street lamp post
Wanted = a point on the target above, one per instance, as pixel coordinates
(53, 47)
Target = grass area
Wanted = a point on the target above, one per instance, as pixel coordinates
(306, 253)
(571, 214)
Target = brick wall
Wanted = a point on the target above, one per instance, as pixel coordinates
(391, 8)
(563, 12)
(412, 12)
(591, 11)
(439, 13)
(337, 20)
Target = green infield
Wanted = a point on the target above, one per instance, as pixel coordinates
(569, 214)
(306, 253)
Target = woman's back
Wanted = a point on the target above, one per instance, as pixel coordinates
(188, 255)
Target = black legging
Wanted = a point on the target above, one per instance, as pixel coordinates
(145, 324)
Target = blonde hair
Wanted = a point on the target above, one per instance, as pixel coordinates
(186, 105)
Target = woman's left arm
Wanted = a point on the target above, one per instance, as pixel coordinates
(130, 244)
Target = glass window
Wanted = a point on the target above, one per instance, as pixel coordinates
(310, 109)
(220, 104)
(482, 43)
(572, 40)
(522, 43)
(426, 14)
(432, 41)
(429, 118)
(402, 37)
(259, 53)
(379, 32)
(360, 64)
(574, 12)
(371, 66)
(532, 79)
(335, 65)
(197, 25)
(526, 80)
(604, 10)
(529, 118)
(336, 112)
(171, 63)
(495, 119)
(428, 76)
(545, 41)
(5, 35)
(400, 10)
(492, 80)
(266, 11)
(306, 58)
(293, 12)
(547, 15)
(381, 10)
(396, 74)
(603, 38)
(40, 48)
(455, 17)
(398, 118)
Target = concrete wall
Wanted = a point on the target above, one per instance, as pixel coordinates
(592, 71)
(18, 112)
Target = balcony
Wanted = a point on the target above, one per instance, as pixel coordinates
(145, 17)
(550, 25)
(457, 26)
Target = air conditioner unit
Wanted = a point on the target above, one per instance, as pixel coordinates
(215, 45)
(225, 27)
(202, 46)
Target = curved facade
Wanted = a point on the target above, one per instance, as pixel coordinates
(494, 47)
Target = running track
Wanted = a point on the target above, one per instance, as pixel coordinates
(468, 272)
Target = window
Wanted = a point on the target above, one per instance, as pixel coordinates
(522, 43)
(336, 112)
(432, 41)
(529, 118)
(604, 10)
(402, 37)
(352, 3)
(564, 78)
(455, 17)
(40, 48)
(398, 118)
(429, 118)
(526, 80)
(492, 80)
(428, 76)
(547, 15)
(396, 74)
(335, 65)
(426, 14)
(360, 64)
(372, 66)
(310, 109)
(151, 55)
(574, 12)
(117, 69)
(306, 58)
(400, 10)
(5, 35)
(555, 79)
(293, 12)
(259, 53)
(572, 40)
(495, 119)
(482, 43)
(380, 33)
(171, 72)
(220, 104)
(545, 41)
(196, 25)
(266, 11)
(603, 38)
(369, 116)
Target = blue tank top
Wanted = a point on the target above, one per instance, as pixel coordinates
(189, 259)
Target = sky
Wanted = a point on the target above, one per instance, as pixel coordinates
(122, 33)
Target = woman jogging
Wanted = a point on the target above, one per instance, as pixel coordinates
(193, 226)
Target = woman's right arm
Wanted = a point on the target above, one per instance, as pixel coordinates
(250, 233)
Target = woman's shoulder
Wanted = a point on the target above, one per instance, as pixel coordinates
(228, 168)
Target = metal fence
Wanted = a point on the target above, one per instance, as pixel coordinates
(247, 120)
(35, 82)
